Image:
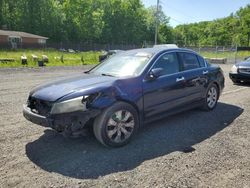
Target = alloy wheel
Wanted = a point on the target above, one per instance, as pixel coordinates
(212, 96)
(120, 126)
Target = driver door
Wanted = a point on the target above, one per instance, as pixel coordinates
(167, 91)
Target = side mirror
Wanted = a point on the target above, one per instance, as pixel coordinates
(155, 73)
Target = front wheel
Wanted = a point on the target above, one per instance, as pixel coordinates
(211, 98)
(116, 125)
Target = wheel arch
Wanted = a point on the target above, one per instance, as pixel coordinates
(218, 86)
(209, 85)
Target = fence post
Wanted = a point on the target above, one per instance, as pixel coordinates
(216, 50)
(62, 58)
(235, 57)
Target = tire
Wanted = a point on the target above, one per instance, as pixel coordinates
(116, 125)
(211, 98)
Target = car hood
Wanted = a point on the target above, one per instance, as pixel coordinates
(244, 64)
(55, 90)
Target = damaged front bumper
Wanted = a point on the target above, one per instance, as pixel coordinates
(35, 118)
(73, 121)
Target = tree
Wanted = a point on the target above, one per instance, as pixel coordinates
(244, 18)
(231, 30)
(165, 33)
(117, 22)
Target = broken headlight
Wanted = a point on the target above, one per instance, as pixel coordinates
(72, 105)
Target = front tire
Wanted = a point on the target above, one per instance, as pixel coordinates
(116, 125)
(211, 99)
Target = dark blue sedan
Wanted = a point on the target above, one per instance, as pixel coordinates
(124, 92)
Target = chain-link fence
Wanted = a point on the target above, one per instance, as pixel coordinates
(231, 54)
(91, 46)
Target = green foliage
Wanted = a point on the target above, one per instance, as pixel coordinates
(165, 34)
(84, 21)
(230, 31)
(118, 22)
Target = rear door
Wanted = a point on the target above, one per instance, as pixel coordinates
(195, 74)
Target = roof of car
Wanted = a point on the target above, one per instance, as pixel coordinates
(154, 51)
(165, 46)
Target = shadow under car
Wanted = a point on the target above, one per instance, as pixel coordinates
(85, 158)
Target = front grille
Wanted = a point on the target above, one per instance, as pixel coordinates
(38, 106)
(244, 70)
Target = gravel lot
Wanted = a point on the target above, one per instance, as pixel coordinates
(32, 156)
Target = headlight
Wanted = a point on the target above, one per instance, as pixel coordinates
(72, 105)
(234, 69)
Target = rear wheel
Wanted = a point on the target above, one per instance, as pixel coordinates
(116, 125)
(211, 98)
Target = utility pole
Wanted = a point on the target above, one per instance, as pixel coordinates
(157, 21)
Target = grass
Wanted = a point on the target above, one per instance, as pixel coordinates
(230, 55)
(87, 58)
(54, 56)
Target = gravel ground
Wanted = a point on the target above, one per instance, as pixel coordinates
(32, 156)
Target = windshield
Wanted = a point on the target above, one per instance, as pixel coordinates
(123, 64)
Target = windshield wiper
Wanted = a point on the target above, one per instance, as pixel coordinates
(105, 74)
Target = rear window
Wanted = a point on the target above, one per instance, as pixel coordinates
(190, 61)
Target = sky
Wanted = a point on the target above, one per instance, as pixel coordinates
(190, 11)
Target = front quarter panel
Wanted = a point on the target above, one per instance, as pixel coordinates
(126, 89)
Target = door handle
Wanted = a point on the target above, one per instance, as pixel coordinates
(180, 79)
(205, 72)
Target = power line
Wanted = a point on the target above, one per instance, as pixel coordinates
(177, 10)
(177, 20)
(173, 18)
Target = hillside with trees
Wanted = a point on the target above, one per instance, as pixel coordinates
(117, 22)
(229, 31)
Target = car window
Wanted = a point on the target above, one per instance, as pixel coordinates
(123, 64)
(189, 60)
(169, 63)
(201, 61)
